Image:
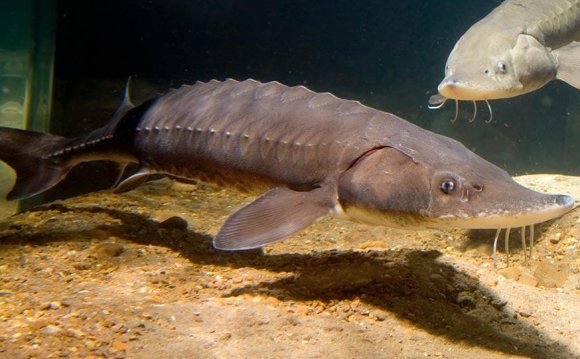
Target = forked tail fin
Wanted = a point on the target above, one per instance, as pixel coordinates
(28, 153)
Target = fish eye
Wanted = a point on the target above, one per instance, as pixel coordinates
(448, 185)
(486, 71)
(502, 67)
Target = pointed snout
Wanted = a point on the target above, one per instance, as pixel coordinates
(452, 88)
(544, 209)
(565, 201)
(465, 87)
(517, 213)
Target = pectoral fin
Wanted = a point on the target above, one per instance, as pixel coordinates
(569, 63)
(275, 215)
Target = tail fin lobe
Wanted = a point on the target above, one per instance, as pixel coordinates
(27, 153)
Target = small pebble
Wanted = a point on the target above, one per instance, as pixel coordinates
(465, 300)
(51, 330)
(109, 249)
(378, 316)
(53, 305)
(510, 273)
(75, 333)
(82, 266)
(174, 222)
(524, 314)
(498, 303)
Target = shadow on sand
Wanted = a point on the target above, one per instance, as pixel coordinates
(411, 284)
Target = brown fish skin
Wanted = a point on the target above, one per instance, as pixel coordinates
(313, 154)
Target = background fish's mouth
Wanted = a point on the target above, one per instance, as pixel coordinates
(463, 91)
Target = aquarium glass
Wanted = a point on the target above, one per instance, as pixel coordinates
(27, 30)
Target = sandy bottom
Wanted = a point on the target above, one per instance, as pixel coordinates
(134, 275)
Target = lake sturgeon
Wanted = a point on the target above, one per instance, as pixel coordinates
(516, 49)
(313, 154)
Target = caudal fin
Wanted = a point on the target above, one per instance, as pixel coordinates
(27, 153)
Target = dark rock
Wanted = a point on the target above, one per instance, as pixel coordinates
(174, 222)
(109, 249)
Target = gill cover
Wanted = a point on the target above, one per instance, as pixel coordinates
(534, 65)
(385, 187)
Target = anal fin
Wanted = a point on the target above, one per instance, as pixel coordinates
(274, 216)
(132, 181)
(569, 63)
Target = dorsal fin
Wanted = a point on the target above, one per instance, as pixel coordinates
(126, 106)
(120, 127)
(119, 118)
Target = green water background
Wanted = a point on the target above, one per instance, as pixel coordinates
(387, 54)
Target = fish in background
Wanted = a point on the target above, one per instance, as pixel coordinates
(516, 49)
(308, 154)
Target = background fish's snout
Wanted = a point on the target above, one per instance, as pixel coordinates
(448, 81)
(448, 87)
(452, 88)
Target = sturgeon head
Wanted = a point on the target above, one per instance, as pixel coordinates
(488, 63)
(517, 48)
(438, 183)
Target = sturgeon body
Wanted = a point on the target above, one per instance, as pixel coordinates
(518, 48)
(310, 154)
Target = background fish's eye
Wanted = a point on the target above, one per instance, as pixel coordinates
(502, 67)
(447, 186)
(486, 71)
